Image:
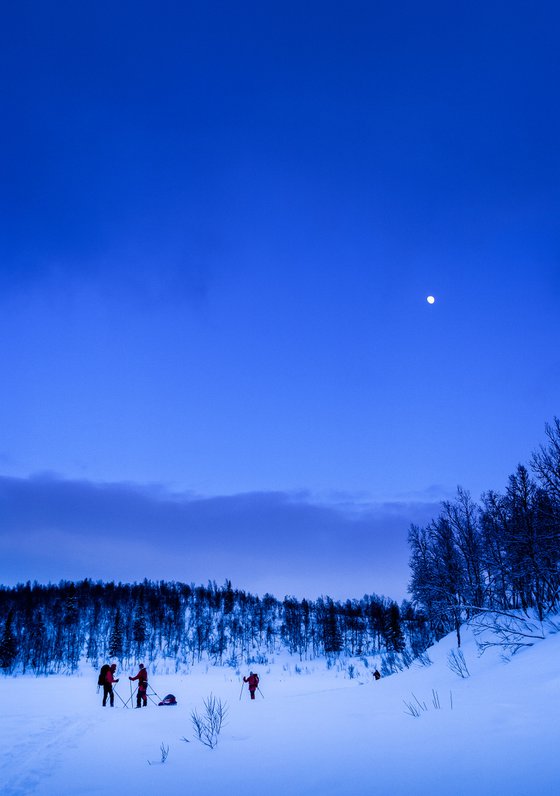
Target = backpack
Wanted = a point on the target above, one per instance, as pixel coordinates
(103, 674)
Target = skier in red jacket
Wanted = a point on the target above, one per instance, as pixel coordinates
(108, 685)
(253, 681)
(141, 696)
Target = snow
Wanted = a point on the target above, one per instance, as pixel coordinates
(314, 732)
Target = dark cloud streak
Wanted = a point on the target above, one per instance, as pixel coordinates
(269, 541)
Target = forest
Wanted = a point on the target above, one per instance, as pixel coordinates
(50, 629)
(497, 557)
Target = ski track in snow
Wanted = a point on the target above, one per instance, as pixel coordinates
(29, 762)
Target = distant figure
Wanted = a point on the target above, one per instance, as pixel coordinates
(141, 695)
(253, 681)
(108, 685)
(377, 675)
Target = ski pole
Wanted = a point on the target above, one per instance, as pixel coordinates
(260, 692)
(242, 684)
(119, 696)
(155, 694)
(131, 697)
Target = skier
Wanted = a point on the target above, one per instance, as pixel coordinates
(108, 685)
(376, 674)
(141, 696)
(253, 681)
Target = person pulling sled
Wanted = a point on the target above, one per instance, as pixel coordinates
(253, 681)
(142, 693)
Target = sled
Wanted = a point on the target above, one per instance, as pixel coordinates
(168, 700)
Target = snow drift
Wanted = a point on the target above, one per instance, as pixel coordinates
(313, 730)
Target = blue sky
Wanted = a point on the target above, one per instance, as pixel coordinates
(219, 225)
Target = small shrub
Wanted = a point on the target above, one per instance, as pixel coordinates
(424, 659)
(164, 750)
(208, 724)
(457, 663)
(415, 708)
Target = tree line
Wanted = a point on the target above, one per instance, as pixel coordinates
(502, 554)
(52, 628)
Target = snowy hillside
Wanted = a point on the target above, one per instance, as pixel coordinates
(316, 731)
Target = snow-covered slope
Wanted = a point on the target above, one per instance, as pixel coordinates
(315, 732)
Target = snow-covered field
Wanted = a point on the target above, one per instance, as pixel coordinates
(318, 732)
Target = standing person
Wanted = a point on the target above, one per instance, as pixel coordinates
(108, 685)
(253, 681)
(377, 675)
(142, 695)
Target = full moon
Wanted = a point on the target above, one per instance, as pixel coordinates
(430, 299)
